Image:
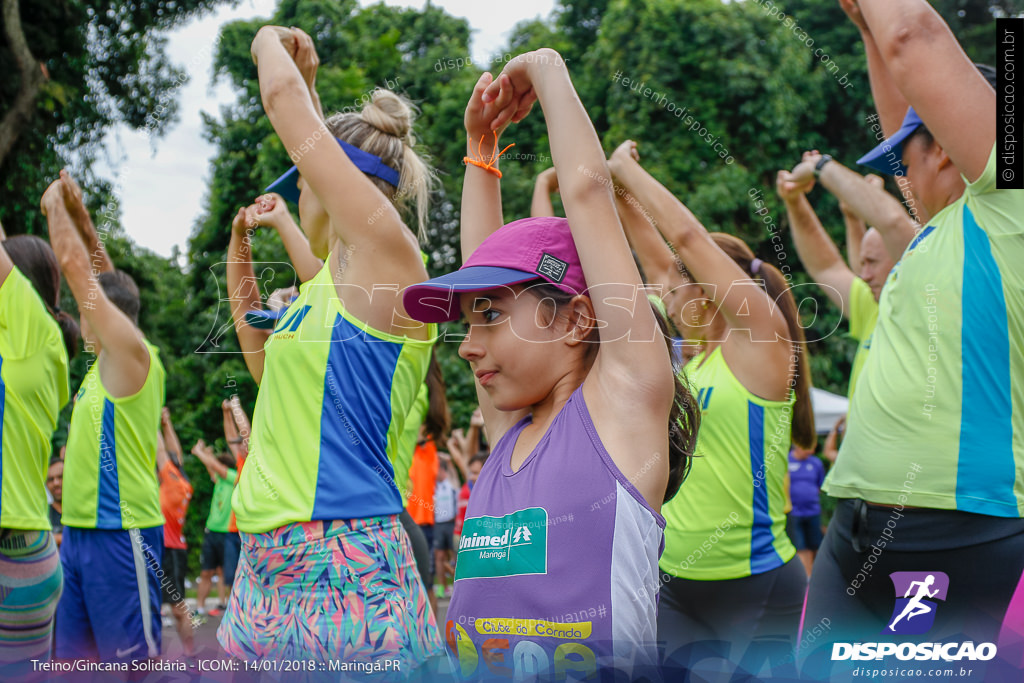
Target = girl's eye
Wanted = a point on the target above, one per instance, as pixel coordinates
(489, 315)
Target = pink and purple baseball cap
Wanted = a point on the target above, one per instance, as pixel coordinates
(529, 249)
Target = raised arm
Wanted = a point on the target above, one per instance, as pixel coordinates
(546, 183)
(816, 250)
(868, 200)
(457, 449)
(98, 258)
(216, 468)
(743, 302)
(481, 204)
(481, 189)
(308, 61)
(241, 421)
(633, 361)
(855, 229)
(271, 210)
(124, 358)
(344, 191)
(937, 78)
(656, 259)
(234, 440)
(889, 101)
(161, 452)
(831, 449)
(170, 436)
(244, 295)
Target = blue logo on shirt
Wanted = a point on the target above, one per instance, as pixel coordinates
(290, 323)
(704, 397)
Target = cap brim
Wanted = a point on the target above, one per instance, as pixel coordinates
(437, 300)
(287, 185)
(887, 157)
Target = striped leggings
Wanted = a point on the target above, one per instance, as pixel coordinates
(31, 580)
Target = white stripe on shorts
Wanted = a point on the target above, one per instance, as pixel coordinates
(143, 582)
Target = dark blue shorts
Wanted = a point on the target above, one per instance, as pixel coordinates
(232, 550)
(110, 608)
(804, 531)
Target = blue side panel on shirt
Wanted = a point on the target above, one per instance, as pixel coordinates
(762, 541)
(986, 467)
(108, 504)
(355, 477)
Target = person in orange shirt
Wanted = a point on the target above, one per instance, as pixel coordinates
(422, 480)
(175, 494)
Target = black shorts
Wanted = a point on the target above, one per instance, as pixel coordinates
(212, 554)
(804, 531)
(444, 535)
(175, 566)
(758, 613)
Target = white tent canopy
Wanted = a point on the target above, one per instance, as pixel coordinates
(828, 408)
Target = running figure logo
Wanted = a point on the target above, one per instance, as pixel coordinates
(914, 612)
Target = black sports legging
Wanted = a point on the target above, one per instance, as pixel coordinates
(851, 591)
(696, 618)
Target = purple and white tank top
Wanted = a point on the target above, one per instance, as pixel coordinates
(553, 562)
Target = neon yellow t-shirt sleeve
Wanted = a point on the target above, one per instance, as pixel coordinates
(25, 324)
(863, 309)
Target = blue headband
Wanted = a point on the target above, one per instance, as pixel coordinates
(370, 164)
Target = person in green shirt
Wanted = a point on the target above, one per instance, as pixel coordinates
(111, 506)
(930, 475)
(36, 338)
(223, 474)
(752, 383)
(873, 252)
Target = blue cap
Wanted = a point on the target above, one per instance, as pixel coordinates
(887, 157)
(370, 164)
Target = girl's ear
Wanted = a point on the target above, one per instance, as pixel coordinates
(582, 320)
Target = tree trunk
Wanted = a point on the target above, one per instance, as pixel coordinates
(32, 80)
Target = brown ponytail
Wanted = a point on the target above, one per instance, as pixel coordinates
(34, 258)
(438, 419)
(683, 422)
(774, 283)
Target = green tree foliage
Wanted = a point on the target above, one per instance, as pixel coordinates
(753, 85)
(106, 64)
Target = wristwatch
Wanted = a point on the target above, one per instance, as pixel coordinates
(825, 158)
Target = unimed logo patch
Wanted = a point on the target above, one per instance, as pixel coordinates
(513, 545)
(917, 594)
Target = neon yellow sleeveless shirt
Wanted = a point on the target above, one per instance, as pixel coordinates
(331, 409)
(728, 519)
(110, 464)
(33, 389)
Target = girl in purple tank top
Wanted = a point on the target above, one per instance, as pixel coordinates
(577, 390)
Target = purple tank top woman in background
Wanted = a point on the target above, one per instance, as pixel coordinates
(553, 562)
